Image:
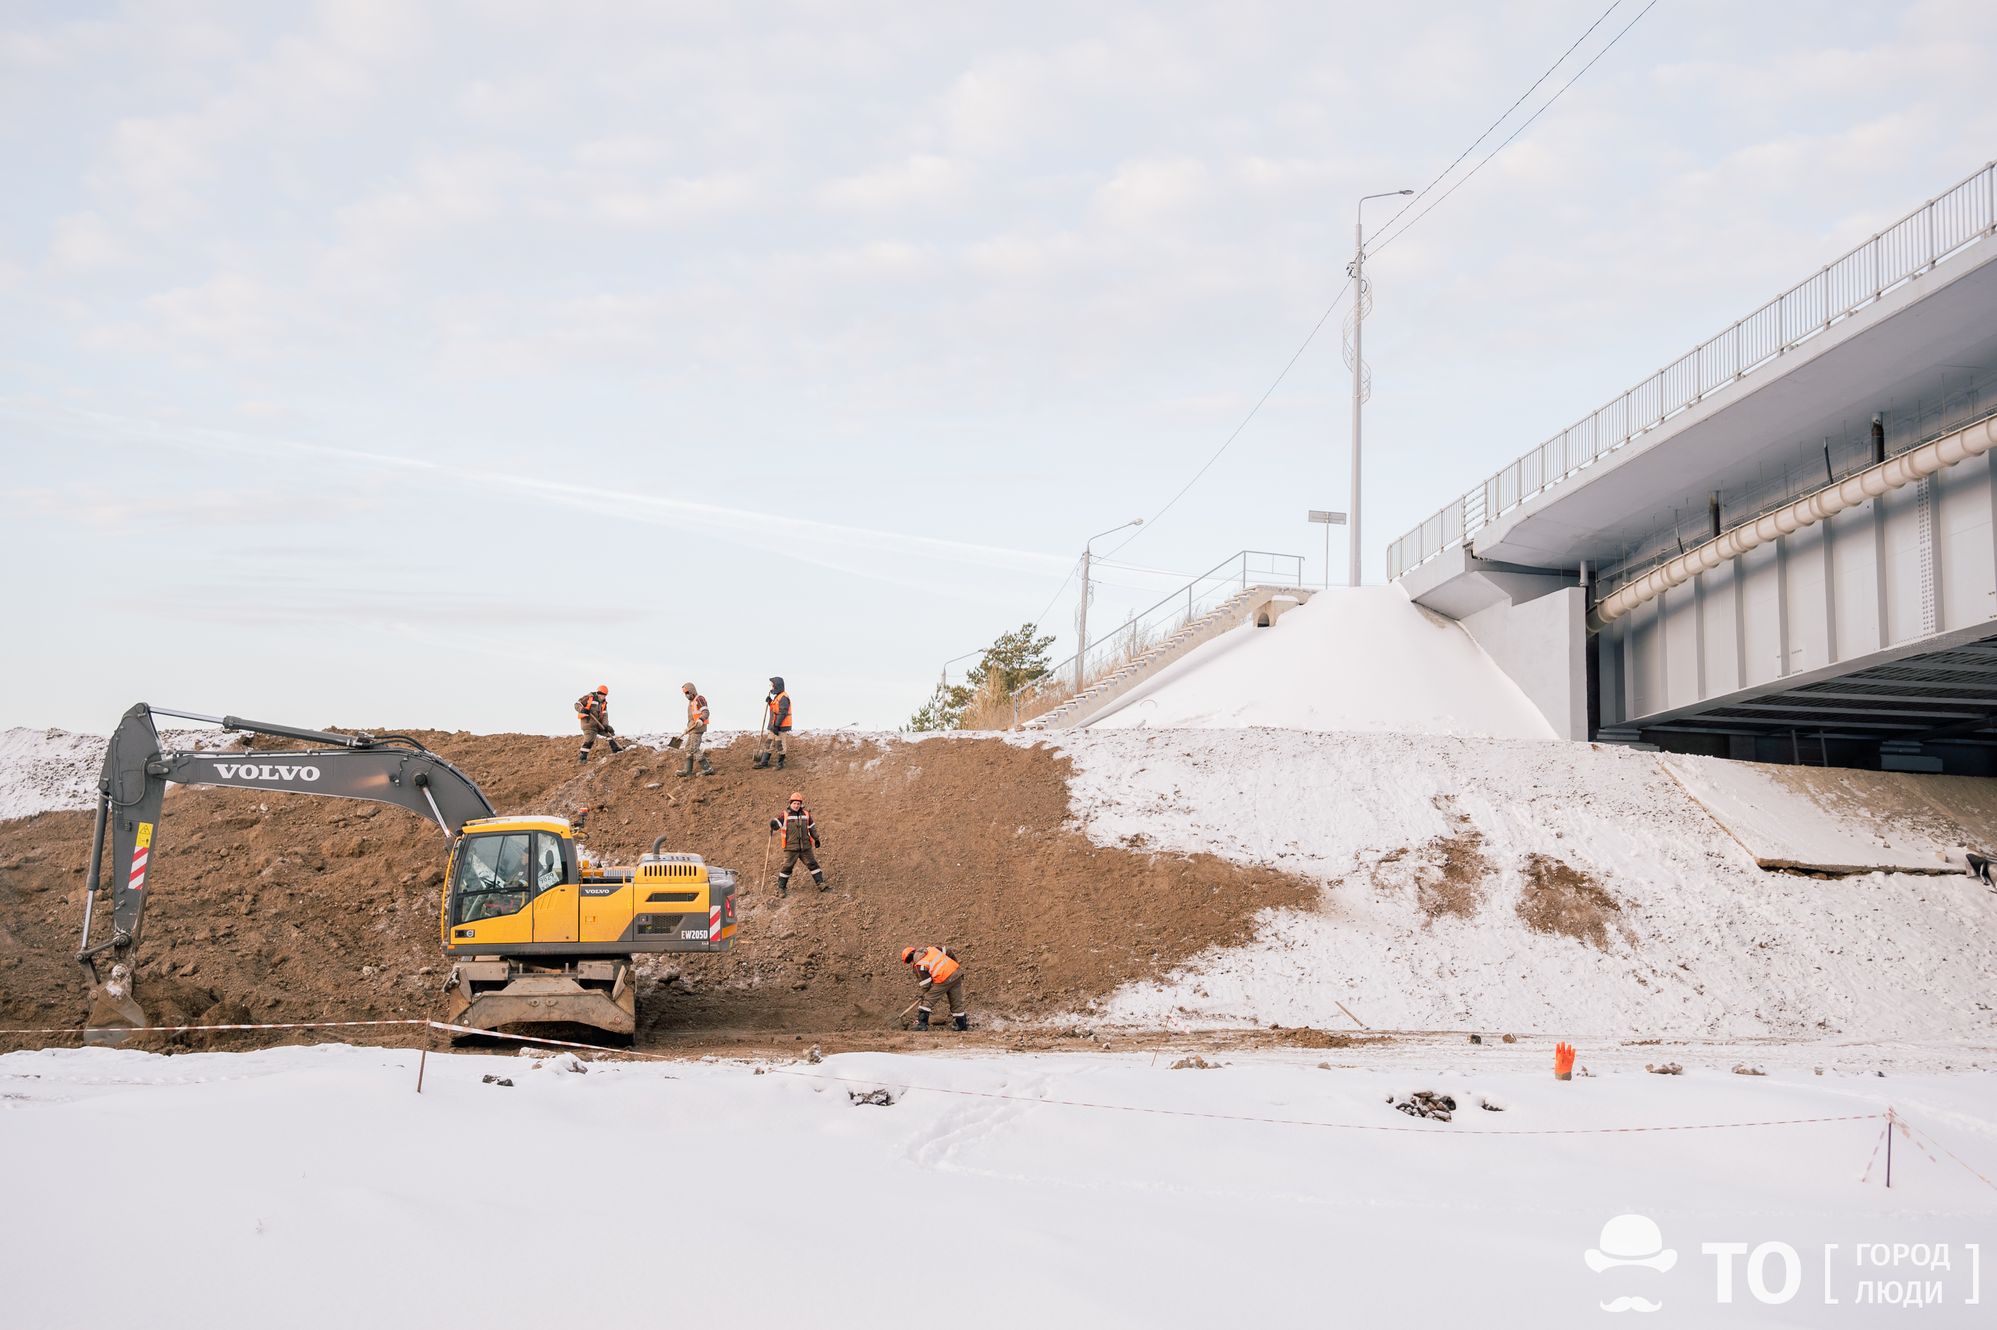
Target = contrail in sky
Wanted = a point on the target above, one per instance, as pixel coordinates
(652, 509)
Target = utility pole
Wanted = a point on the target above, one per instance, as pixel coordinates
(1082, 626)
(1358, 271)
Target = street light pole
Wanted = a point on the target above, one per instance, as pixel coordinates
(1082, 629)
(1358, 271)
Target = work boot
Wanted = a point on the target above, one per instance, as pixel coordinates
(762, 760)
(686, 767)
(960, 1022)
(780, 760)
(706, 767)
(583, 756)
(616, 747)
(922, 1020)
(819, 878)
(783, 885)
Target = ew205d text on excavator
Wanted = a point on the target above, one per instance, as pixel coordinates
(538, 932)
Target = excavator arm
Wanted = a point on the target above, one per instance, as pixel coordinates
(132, 786)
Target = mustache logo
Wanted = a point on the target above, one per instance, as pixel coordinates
(1631, 1305)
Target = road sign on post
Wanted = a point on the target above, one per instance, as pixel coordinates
(1328, 521)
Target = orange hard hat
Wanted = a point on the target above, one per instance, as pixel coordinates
(796, 797)
(603, 688)
(907, 955)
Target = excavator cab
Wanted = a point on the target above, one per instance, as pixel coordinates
(539, 933)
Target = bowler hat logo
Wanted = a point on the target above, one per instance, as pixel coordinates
(1630, 1240)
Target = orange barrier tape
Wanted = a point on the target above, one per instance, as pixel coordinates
(1945, 1150)
(876, 1082)
(181, 1029)
(1336, 1126)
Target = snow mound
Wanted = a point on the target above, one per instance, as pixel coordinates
(1357, 659)
(49, 771)
(42, 771)
(1567, 889)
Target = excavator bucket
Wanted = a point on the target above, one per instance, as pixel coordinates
(114, 1013)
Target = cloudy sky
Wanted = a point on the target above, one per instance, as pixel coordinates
(400, 364)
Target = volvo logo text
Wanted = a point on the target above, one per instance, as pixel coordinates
(247, 771)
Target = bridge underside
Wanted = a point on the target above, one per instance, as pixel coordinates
(1931, 711)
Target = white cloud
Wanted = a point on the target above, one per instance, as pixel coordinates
(1145, 193)
(638, 203)
(232, 314)
(84, 243)
(923, 180)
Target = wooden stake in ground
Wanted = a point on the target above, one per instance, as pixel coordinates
(768, 841)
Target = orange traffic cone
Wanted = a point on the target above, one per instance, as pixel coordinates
(1563, 1062)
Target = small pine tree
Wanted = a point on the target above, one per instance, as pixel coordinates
(1015, 660)
(943, 711)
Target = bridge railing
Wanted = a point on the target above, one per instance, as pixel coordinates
(1943, 226)
(1154, 623)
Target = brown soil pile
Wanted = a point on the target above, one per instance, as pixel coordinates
(1449, 874)
(1560, 898)
(274, 908)
(1453, 880)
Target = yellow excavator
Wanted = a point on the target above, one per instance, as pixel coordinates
(537, 932)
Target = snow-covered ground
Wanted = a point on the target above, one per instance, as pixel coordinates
(1355, 659)
(1702, 942)
(315, 1187)
(44, 771)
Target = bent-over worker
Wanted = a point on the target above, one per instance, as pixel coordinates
(937, 969)
(593, 714)
(801, 837)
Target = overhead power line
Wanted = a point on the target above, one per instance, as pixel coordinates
(1442, 175)
(1226, 443)
(1485, 160)
(1039, 618)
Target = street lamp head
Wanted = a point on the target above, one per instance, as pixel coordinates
(1407, 191)
(1136, 521)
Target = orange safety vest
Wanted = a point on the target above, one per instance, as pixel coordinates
(780, 712)
(590, 704)
(939, 965)
(696, 712)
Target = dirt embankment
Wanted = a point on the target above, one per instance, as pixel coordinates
(274, 908)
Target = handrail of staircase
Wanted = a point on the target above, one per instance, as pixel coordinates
(1275, 570)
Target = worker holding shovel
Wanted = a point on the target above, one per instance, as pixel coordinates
(938, 970)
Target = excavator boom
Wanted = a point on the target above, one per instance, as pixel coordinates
(132, 785)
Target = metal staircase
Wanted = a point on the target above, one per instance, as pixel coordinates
(1240, 608)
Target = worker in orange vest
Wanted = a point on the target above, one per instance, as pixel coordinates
(938, 969)
(593, 713)
(801, 839)
(776, 723)
(695, 732)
